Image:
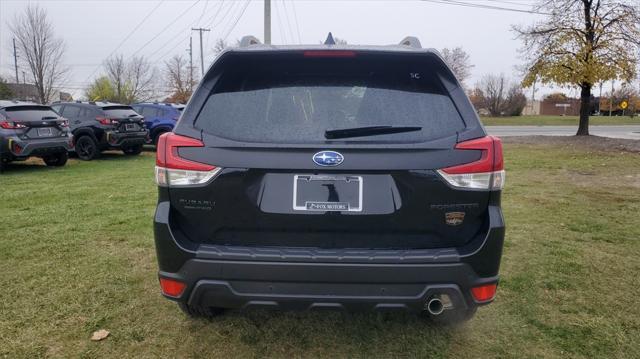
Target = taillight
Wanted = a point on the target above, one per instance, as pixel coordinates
(172, 287)
(106, 121)
(175, 171)
(484, 293)
(10, 125)
(487, 173)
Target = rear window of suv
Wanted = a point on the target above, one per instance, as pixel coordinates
(277, 98)
(119, 111)
(30, 113)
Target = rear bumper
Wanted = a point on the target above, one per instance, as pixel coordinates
(243, 277)
(126, 139)
(16, 147)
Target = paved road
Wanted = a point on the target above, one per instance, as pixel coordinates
(624, 131)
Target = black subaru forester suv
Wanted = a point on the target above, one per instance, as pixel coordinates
(346, 177)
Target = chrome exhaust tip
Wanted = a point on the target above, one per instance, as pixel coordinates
(435, 306)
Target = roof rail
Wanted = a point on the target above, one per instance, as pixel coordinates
(411, 41)
(249, 40)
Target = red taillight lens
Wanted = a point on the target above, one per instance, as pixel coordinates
(167, 153)
(172, 287)
(329, 53)
(106, 121)
(173, 170)
(486, 173)
(9, 125)
(491, 159)
(484, 293)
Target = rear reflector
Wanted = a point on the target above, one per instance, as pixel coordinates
(172, 287)
(484, 293)
(175, 171)
(329, 53)
(487, 173)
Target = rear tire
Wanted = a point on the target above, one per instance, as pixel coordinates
(3, 163)
(86, 148)
(57, 160)
(133, 150)
(451, 317)
(201, 312)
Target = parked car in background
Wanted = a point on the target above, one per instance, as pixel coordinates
(357, 178)
(31, 130)
(100, 126)
(158, 117)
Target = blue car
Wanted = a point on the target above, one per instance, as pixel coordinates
(158, 117)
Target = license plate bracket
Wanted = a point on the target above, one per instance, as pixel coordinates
(129, 127)
(327, 193)
(45, 132)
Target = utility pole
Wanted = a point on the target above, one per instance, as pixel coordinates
(267, 22)
(15, 60)
(611, 99)
(190, 50)
(200, 30)
(600, 99)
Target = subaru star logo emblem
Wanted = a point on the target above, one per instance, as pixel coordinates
(328, 158)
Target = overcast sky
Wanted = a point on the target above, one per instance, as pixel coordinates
(92, 30)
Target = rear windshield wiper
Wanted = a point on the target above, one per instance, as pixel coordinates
(368, 131)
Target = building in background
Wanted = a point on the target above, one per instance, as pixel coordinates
(29, 92)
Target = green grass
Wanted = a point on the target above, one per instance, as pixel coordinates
(558, 120)
(77, 255)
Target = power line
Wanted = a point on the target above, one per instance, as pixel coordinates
(283, 35)
(167, 27)
(295, 16)
(167, 53)
(286, 17)
(128, 36)
(237, 20)
(166, 44)
(521, 3)
(484, 6)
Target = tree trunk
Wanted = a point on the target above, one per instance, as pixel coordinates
(585, 108)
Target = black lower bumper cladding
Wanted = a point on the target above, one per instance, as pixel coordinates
(17, 147)
(300, 279)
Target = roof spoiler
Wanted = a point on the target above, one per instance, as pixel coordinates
(411, 41)
(249, 40)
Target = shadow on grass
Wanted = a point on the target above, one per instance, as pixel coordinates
(30, 166)
(368, 334)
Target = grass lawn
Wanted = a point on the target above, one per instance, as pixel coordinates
(77, 255)
(558, 120)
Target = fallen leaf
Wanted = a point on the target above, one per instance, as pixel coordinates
(99, 335)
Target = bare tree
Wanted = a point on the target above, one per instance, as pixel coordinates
(498, 95)
(132, 80)
(582, 43)
(177, 77)
(459, 61)
(221, 45)
(493, 88)
(40, 51)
